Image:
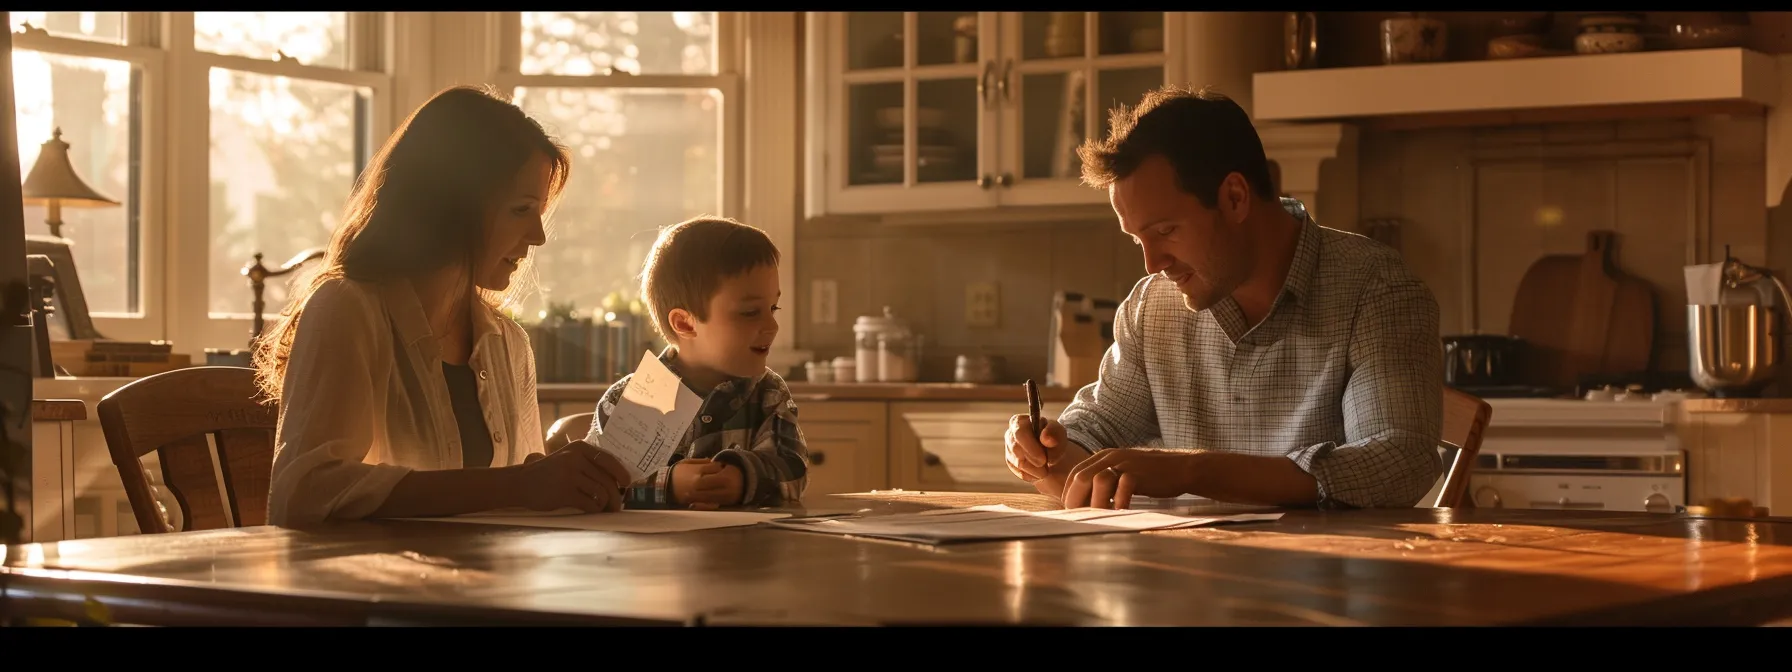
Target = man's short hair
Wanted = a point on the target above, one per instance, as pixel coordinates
(1204, 135)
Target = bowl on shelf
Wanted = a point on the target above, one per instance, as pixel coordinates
(1704, 36)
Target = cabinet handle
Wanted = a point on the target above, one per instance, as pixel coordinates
(818, 458)
(930, 459)
(983, 81)
(986, 181)
(1005, 179)
(1002, 84)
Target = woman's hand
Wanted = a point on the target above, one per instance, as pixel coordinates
(576, 475)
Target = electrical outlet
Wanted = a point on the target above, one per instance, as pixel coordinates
(982, 304)
(825, 301)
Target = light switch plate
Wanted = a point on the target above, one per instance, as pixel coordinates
(825, 299)
(982, 304)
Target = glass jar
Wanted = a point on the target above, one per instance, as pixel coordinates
(898, 356)
(866, 332)
(821, 371)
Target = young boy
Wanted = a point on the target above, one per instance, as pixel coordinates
(711, 287)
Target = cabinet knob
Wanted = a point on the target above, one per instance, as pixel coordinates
(930, 459)
(1005, 179)
(818, 458)
(986, 181)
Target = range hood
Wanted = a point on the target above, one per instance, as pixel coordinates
(1299, 111)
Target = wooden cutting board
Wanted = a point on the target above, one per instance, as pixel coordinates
(1580, 315)
(1630, 338)
(1539, 316)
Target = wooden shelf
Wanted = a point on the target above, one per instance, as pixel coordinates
(1529, 90)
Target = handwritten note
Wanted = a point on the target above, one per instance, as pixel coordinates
(653, 414)
(999, 522)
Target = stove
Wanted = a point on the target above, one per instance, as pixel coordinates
(1610, 449)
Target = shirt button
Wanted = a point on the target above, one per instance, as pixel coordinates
(706, 419)
(482, 374)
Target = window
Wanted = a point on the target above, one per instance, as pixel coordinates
(73, 73)
(645, 102)
(288, 124)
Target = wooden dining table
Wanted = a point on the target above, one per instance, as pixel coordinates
(1400, 567)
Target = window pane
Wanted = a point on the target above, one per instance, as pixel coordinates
(314, 38)
(283, 158)
(90, 99)
(641, 43)
(96, 26)
(642, 159)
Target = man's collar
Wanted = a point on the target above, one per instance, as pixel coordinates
(1306, 252)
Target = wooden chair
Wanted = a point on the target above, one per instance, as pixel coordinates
(1465, 418)
(567, 430)
(184, 416)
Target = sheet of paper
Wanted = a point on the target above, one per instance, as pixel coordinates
(999, 522)
(638, 521)
(653, 414)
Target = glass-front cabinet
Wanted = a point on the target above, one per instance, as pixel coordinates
(917, 111)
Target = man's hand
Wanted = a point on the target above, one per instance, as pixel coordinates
(1117, 474)
(1045, 462)
(705, 485)
(1029, 458)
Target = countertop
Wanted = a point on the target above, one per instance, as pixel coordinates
(1709, 405)
(554, 392)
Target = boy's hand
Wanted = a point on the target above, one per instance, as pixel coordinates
(705, 485)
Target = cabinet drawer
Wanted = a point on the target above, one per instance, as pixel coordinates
(847, 445)
(954, 446)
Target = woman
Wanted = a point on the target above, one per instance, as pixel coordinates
(402, 390)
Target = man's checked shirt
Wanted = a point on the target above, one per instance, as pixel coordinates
(746, 422)
(1344, 376)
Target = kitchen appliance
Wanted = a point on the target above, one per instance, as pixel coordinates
(1082, 329)
(1612, 453)
(1733, 330)
(1479, 360)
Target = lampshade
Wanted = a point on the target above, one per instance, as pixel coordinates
(53, 177)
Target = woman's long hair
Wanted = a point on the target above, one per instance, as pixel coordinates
(421, 205)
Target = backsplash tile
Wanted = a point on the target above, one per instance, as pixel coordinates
(921, 272)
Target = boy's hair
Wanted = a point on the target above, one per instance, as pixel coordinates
(690, 260)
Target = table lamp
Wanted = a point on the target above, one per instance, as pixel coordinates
(53, 184)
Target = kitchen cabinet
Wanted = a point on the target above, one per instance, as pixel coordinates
(847, 444)
(1739, 448)
(929, 111)
(954, 446)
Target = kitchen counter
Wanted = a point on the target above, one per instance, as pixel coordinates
(559, 392)
(1736, 405)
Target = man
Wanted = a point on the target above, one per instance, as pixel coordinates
(1275, 361)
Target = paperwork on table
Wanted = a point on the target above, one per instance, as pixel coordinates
(1000, 522)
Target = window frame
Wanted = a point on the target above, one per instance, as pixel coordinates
(142, 50)
(190, 324)
(507, 31)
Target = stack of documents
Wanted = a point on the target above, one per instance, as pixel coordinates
(999, 522)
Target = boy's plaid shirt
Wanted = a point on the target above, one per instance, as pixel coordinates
(747, 422)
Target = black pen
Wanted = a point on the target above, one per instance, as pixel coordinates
(1033, 414)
